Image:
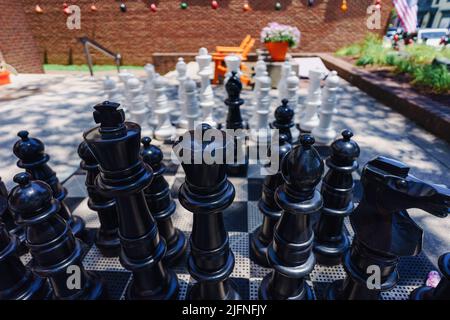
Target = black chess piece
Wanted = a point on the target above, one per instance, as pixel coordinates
(107, 236)
(263, 235)
(442, 290)
(206, 192)
(57, 254)
(383, 229)
(284, 119)
(331, 241)
(33, 159)
(234, 122)
(116, 144)
(290, 254)
(160, 202)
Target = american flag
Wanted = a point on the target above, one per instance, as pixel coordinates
(407, 12)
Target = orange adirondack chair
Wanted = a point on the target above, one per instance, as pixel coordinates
(240, 49)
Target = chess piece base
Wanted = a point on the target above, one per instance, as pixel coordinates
(259, 249)
(330, 254)
(168, 292)
(108, 243)
(175, 249)
(265, 293)
(225, 290)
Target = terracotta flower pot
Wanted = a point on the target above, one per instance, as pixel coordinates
(4, 77)
(277, 50)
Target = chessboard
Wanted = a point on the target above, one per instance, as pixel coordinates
(241, 219)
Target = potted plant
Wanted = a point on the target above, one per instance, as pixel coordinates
(278, 38)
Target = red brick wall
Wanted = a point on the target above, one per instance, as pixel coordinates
(138, 33)
(16, 41)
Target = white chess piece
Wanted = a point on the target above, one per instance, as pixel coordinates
(203, 59)
(181, 69)
(233, 63)
(324, 133)
(206, 92)
(292, 84)
(124, 76)
(309, 118)
(138, 107)
(148, 88)
(164, 130)
(111, 91)
(261, 132)
(286, 69)
(260, 70)
(193, 112)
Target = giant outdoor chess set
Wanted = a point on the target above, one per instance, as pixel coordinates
(324, 225)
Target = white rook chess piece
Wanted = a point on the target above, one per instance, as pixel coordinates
(181, 69)
(138, 107)
(324, 133)
(233, 63)
(164, 130)
(148, 88)
(286, 69)
(111, 91)
(261, 132)
(309, 118)
(193, 112)
(206, 92)
(292, 84)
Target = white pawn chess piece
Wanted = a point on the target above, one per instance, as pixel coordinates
(148, 88)
(181, 69)
(309, 118)
(111, 91)
(292, 86)
(193, 112)
(137, 107)
(164, 131)
(286, 69)
(233, 63)
(261, 132)
(324, 133)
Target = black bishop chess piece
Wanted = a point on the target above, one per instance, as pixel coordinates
(107, 236)
(442, 290)
(57, 254)
(234, 122)
(123, 175)
(383, 229)
(284, 119)
(331, 241)
(32, 158)
(160, 202)
(263, 235)
(206, 192)
(290, 253)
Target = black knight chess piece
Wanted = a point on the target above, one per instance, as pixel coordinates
(262, 236)
(123, 175)
(57, 254)
(383, 229)
(442, 290)
(107, 236)
(331, 241)
(290, 254)
(160, 202)
(33, 159)
(206, 192)
(284, 119)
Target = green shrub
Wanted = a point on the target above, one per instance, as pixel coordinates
(434, 77)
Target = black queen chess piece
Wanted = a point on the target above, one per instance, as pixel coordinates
(383, 229)
(160, 202)
(32, 158)
(123, 175)
(57, 254)
(263, 235)
(206, 192)
(290, 253)
(331, 241)
(107, 236)
(284, 119)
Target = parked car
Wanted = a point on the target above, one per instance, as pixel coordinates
(431, 37)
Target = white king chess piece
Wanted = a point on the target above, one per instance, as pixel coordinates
(138, 107)
(148, 88)
(111, 91)
(193, 112)
(181, 69)
(286, 69)
(309, 118)
(164, 130)
(261, 132)
(206, 92)
(324, 133)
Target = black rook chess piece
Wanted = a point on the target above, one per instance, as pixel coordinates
(107, 236)
(123, 175)
(206, 192)
(442, 290)
(383, 229)
(57, 254)
(33, 159)
(262, 236)
(290, 254)
(283, 119)
(331, 242)
(160, 203)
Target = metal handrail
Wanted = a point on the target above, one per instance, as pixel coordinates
(92, 43)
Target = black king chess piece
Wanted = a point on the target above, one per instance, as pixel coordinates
(123, 175)
(57, 254)
(234, 121)
(33, 159)
(206, 192)
(160, 202)
(331, 241)
(383, 229)
(263, 235)
(442, 290)
(107, 236)
(290, 254)
(283, 119)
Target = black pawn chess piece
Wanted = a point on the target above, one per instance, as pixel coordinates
(107, 236)
(206, 192)
(383, 229)
(33, 159)
(442, 290)
(262, 236)
(17, 282)
(284, 119)
(160, 202)
(331, 241)
(234, 121)
(290, 254)
(57, 254)
(116, 144)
